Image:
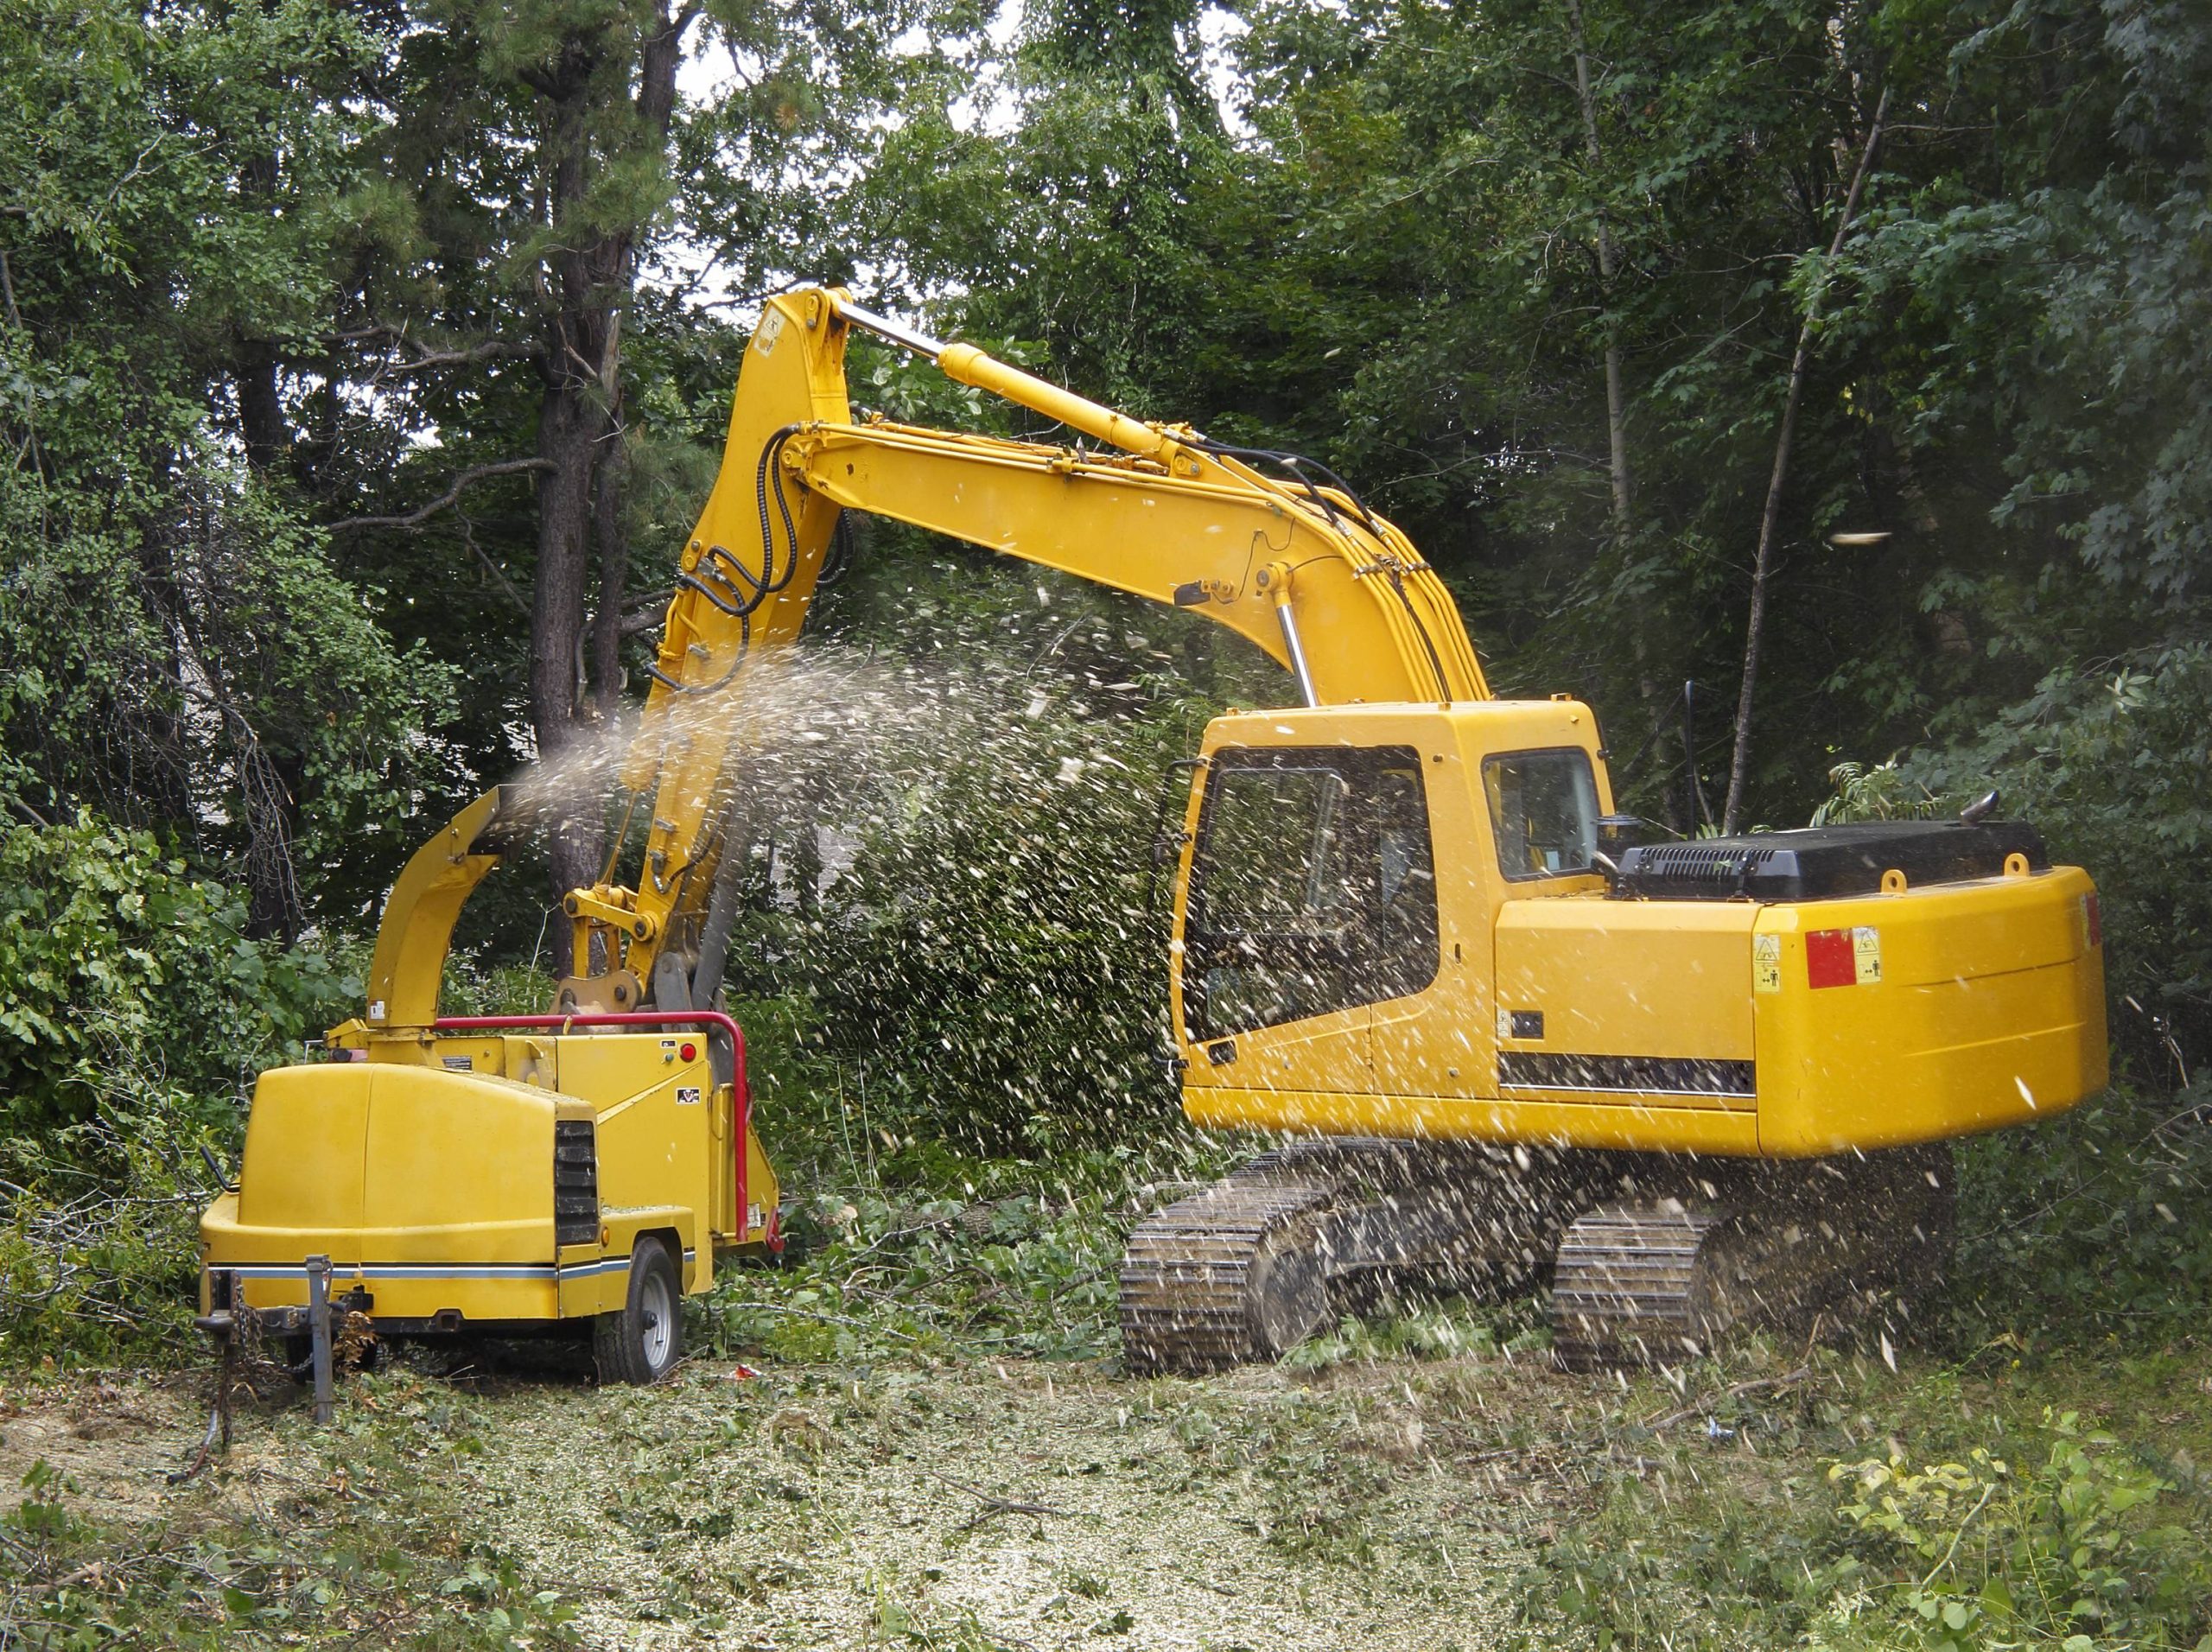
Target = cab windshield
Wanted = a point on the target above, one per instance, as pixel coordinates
(1312, 889)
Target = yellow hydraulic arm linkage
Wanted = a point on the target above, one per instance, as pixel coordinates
(1331, 591)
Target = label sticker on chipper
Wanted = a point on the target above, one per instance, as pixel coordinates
(686, 1095)
(1766, 963)
(771, 328)
(1843, 957)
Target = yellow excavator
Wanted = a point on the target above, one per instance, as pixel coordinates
(1696, 1082)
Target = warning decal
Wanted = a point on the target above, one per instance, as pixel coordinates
(1867, 954)
(686, 1095)
(1766, 963)
(1843, 957)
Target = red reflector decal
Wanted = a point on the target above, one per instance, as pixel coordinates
(1829, 960)
(2096, 917)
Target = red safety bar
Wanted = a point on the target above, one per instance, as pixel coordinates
(644, 1018)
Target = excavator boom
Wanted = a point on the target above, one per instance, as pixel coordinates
(1328, 590)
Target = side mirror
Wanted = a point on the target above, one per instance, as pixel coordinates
(1617, 834)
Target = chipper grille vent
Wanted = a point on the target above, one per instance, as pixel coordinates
(576, 1181)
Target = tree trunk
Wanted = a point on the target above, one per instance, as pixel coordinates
(1763, 563)
(614, 544)
(1655, 705)
(593, 271)
(261, 409)
(1608, 265)
(569, 423)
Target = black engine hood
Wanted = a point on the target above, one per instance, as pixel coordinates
(1825, 863)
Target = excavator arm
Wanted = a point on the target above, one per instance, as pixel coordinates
(1293, 563)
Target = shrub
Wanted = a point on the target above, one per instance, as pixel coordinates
(2070, 1551)
(110, 952)
(135, 1011)
(991, 966)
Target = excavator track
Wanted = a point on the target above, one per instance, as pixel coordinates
(1251, 1267)
(1652, 1258)
(1222, 1277)
(1626, 1287)
(1655, 1281)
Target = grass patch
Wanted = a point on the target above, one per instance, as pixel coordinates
(359, 1538)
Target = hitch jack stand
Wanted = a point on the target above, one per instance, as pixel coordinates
(318, 1329)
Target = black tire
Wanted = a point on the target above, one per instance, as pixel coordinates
(642, 1342)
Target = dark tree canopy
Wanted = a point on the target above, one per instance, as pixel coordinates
(361, 367)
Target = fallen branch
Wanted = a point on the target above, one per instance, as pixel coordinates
(100, 1569)
(1741, 1389)
(994, 1506)
(447, 499)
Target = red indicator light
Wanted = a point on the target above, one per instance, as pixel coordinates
(690, 1053)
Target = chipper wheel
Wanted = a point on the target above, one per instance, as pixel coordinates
(642, 1341)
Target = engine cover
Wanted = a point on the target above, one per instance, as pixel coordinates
(1825, 863)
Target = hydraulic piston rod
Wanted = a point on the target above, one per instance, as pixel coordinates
(966, 365)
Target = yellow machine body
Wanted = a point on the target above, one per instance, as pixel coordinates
(1512, 996)
(425, 1171)
(1543, 1010)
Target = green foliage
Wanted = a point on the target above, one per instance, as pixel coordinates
(2060, 1537)
(989, 967)
(872, 1277)
(175, 648)
(997, 969)
(2062, 1552)
(2094, 1225)
(134, 1010)
(115, 960)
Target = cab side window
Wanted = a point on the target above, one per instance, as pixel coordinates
(1543, 810)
